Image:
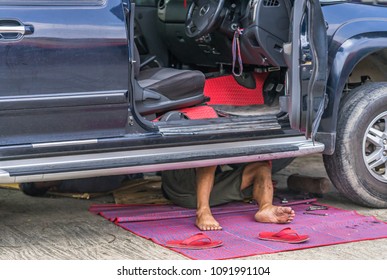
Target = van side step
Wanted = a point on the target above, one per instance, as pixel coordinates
(151, 160)
(232, 124)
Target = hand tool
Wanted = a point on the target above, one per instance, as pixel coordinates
(316, 207)
(317, 214)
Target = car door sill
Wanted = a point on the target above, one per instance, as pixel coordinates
(151, 160)
(216, 126)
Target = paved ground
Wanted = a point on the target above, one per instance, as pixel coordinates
(62, 228)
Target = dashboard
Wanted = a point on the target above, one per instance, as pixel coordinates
(265, 25)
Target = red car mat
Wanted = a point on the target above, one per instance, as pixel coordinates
(226, 91)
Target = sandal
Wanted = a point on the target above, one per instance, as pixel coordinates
(195, 242)
(286, 235)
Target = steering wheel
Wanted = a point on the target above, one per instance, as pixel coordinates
(202, 16)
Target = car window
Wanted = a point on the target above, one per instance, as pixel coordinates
(52, 2)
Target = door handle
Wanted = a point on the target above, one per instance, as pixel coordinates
(19, 29)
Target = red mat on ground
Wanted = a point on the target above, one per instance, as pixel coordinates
(163, 223)
(226, 91)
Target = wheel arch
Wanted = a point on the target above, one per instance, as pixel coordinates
(349, 168)
(348, 50)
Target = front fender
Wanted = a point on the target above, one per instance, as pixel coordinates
(351, 43)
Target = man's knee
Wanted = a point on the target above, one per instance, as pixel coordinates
(260, 167)
(261, 170)
(256, 172)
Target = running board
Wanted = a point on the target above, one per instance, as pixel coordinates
(217, 126)
(151, 160)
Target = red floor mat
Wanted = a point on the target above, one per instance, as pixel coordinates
(199, 112)
(196, 113)
(226, 91)
(162, 223)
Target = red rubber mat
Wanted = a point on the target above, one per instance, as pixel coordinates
(199, 112)
(196, 113)
(226, 91)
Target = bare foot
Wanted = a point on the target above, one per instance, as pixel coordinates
(275, 214)
(205, 220)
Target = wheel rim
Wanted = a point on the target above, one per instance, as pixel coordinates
(375, 147)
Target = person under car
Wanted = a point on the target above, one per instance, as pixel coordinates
(200, 188)
(203, 188)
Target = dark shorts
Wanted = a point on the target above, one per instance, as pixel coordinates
(179, 186)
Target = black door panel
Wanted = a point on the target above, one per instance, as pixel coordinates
(66, 75)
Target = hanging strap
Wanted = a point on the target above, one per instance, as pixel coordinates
(236, 52)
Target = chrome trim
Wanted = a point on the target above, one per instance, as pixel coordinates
(64, 143)
(204, 10)
(66, 96)
(255, 5)
(305, 147)
(13, 29)
(55, 3)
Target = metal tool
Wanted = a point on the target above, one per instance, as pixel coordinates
(317, 214)
(283, 199)
(316, 207)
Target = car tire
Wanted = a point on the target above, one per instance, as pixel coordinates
(31, 190)
(358, 166)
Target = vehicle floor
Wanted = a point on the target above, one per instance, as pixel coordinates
(252, 110)
(228, 98)
(63, 228)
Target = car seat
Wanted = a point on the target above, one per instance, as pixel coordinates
(163, 89)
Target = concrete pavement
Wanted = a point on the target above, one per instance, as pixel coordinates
(62, 228)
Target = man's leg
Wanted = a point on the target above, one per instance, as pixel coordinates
(258, 174)
(204, 182)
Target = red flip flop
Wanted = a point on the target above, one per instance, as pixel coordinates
(195, 242)
(286, 235)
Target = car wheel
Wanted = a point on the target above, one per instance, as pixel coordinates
(32, 190)
(358, 166)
